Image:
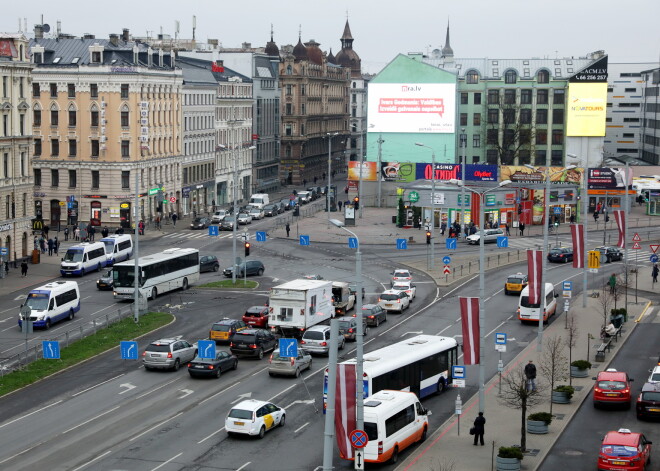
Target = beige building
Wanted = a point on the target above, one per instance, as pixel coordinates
(16, 204)
(104, 110)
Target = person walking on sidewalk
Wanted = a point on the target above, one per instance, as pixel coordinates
(654, 273)
(56, 245)
(76, 233)
(612, 283)
(479, 428)
(530, 374)
(24, 268)
(288, 229)
(174, 218)
(66, 233)
(507, 229)
(521, 227)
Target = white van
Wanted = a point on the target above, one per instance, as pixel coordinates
(259, 200)
(528, 312)
(83, 258)
(118, 248)
(52, 303)
(393, 420)
(304, 197)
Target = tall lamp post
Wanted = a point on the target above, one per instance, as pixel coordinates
(585, 214)
(328, 193)
(463, 142)
(482, 281)
(359, 347)
(432, 225)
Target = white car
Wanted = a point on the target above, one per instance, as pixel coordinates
(244, 218)
(393, 300)
(253, 417)
(407, 287)
(490, 235)
(401, 275)
(218, 216)
(256, 213)
(655, 375)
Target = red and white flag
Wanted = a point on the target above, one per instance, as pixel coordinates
(345, 408)
(577, 234)
(621, 224)
(534, 270)
(470, 321)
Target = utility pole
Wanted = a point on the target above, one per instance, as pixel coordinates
(136, 257)
(378, 171)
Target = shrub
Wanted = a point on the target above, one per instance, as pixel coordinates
(510, 452)
(581, 364)
(566, 389)
(541, 417)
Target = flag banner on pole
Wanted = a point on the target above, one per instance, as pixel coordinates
(577, 234)
(534, 267)
(470, 322)
(621, 224)
(345, 408)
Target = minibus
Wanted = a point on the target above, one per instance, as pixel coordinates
(52, 303)
(118, 247)
(531, 312)
(83, 258)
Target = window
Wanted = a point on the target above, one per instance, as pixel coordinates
(93, 90)
(73, 147)
(36, 90)
(540, 157)
(5, 165)
(71, 90)
(288, 109)
(493, 116)
(477, 98)
(542, 97)
(631, 90)
(124, 119)
(476, 140)
(509, 97)
(125, 179)
(491, 156)
(37, 177)
(476, 119)
(557, 137)
(525, 116)
(288, 129)
(558, 116)
(95, 179)
(289, 89)
(464, 98)
(493, 97)
(472, 77)
(303, 109)
(526, 97)
(541, 116)
(463, 119)
(36, 117)
(303, 90)
(37, 147)
(559, 96)
(94, 117)
(95, 147)
(54, 147)
(491, 136)
(125, 148)
(629, 134)
(289, 70)
(72, 179)
(54, 117)
(541, 137)
(54, 177)
(72, 117)
(124, 91)
(556, 159)
(543, 76)
(53, 90)
(510, 76)
(399, 420)
(524, 157)
(509, 116)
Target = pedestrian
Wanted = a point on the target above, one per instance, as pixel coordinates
(76, 233)
(346, 189)
(141, 227)
(66, 233)
(105, 231)
(304, 182)
(56, 245)
(507, 229)
(572, 218)
(654, 273)
(595, 216)
(479, 428)
(46, 229)
(466, 230)
(315, 179)
(530, 374)
(174, 218)
(24, 268)
(339, 204)
(42, 244)
(91, 231)
(521, 227)
(323, 175)
(36, 243)
(288, 228)
(6, 268)
(612, 283)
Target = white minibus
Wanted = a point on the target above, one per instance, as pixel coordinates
(393, 420)
(83, 258)
(259, 200)
(52, 303)
(531, 312)
(118, 247)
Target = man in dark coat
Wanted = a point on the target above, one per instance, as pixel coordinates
(530, 374)
(479, 428)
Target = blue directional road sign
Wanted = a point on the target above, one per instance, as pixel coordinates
(214, 230)
(288, 348)
(446, 259)
(353, 242)
(500, 338)
(206, 349)
(557, 210)
(654, 258)
(129, 350)
(402, 244)
(567, 286)
(458, 372)
(502, 242)
(304, 240)
(450, 244)
(261, 236)
(51, 349)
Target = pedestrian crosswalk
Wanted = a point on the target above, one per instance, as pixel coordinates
(195, 235)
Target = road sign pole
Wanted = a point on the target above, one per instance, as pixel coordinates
(329, 431)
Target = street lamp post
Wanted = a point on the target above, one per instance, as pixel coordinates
(328, 193)
(585, 214)
(463, 142)
(482, 284)
(431, 228)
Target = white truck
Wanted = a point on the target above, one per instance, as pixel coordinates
(298, 305)
(259, 200)
(343, 298)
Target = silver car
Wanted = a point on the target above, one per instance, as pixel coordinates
(490, 235)
(316, 339)
(256, 213)
(348, 326)
(244, 218)
(218, 216)
(290, 366)
(168, 354)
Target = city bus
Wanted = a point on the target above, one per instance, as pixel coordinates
(420, 364)
(158, 273)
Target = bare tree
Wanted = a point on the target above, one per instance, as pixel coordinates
(605, 301)
(571, 340)
(553, 363)
(515, 395)
(510, 130)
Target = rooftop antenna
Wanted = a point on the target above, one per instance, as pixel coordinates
(19, 25)
(194, 26)
(176, 29)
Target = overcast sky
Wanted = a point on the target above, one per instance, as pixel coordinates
(627, 30)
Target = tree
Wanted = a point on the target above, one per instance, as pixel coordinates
(605, 301)
(571, 340)
(509, 129)
(553, 365)
(401, 214)
(516, 396)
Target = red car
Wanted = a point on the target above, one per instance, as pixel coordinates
(624, 451)
(612, 387)
(256, 316)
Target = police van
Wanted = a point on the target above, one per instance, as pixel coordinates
(83, 258)
(118, 248)
(52, 303)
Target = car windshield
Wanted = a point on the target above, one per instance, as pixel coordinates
(389, 297)
(368, 310)
(401, 274)
(220, 328)
(240, 414)
(655, 377)
(123, 276)
(612, 385)
(73, 255)
(313, 335)
(557, 251)
(400, 286)
(158, 348)
(618, 450)
(251, 313)
(197, 221)
(109, 245)
(277, 356)
(107, 274)
(37, 301)
(515, 281)
(229, 219)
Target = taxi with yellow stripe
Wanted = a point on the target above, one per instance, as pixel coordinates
(515, 283)
(254, 418)
(222, 331)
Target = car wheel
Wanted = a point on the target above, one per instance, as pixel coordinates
(366, 331)
(185, 284)
(283, 420)
(260, 353)
(262, 432)
(216, 267)
(566, 260)
(377, 321)
(297, 373)
(47, 324)
(309, 365)
(260, 272)
(82, 272)
(71, 314)
(423, 437)
(271, 374)
(395, 455)
(177, 365)
(385, 318)
(154, 293)
(506, 292)
(218, 373)
(147, 368)
(235, 365)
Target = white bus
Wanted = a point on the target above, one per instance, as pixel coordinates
(52, 303)
(83, 258)
(159, 273)
(118, 247)
(421, 365)
(531, 312)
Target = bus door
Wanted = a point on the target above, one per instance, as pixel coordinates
(416, 377)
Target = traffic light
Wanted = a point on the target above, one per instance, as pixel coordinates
(519, 208)
(356, 202)
(247, 249)
(428, 237)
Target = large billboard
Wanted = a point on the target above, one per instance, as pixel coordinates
(608, 178)
(482, 173)
(412, 108)
(558, 175)
(587, 107)
(410, 171)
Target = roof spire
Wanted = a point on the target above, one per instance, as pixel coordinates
(447, 51)
(271, 32)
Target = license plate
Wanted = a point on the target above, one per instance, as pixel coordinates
(611, 394)
(654, 409)
(239, 423)
(388, 305)
(198, 366)
(620, 463)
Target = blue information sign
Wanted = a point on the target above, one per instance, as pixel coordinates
(654, 258)
(502, 242)
(567, 286)
(261, 236)
(446, 259)
(353, 242)
(129, 350)
(557, 210)
(4, 250)
(402, 244)
(206, 349)
(500, 338)
(450, 244)
(288, 348)
(458, 371)
(214, 230)
(51, 349)
(304, 240)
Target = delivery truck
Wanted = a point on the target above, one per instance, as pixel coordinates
(343, 297)
(297, 305)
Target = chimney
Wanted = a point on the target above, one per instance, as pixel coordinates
(88, 36)
(38, 31)
(247, 45)
(213, 42)
(114, 39)
(124, 35)
(220, 63)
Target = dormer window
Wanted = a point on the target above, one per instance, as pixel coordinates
(96, 57)
(96, 53)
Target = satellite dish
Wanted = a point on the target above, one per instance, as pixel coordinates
(46, 28)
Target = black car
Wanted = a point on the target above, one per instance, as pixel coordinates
(373, 314)
(200, 223)
(222, 362)
(648, 402)
(254, 267)
(208, 263)
(286, 203)
(560, 255)
(611, 253)
(271, 210)
(105, 282)
(227, 223)
(253, 342)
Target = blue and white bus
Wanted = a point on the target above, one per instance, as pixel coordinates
(52, 303)
(158, 273)
(83, 258)
(118, 247)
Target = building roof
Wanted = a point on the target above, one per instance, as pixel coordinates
(300, 51)
(314, 52)
(331, 57)
(347, 31)
(200, 72)
(447, 50)
(271, 48)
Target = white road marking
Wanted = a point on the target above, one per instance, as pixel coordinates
(93, 418)
(501, 324)
(259, 371)
(443, 330)
(239, 469)
(156, 389)
(218, 393)
(91, 461)
(31, 413)
(348, 353)
(20, 453)
(214, 433)
(97, 385)
(164, 463)
(281, 392)
(154, 427)
(301, 427)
